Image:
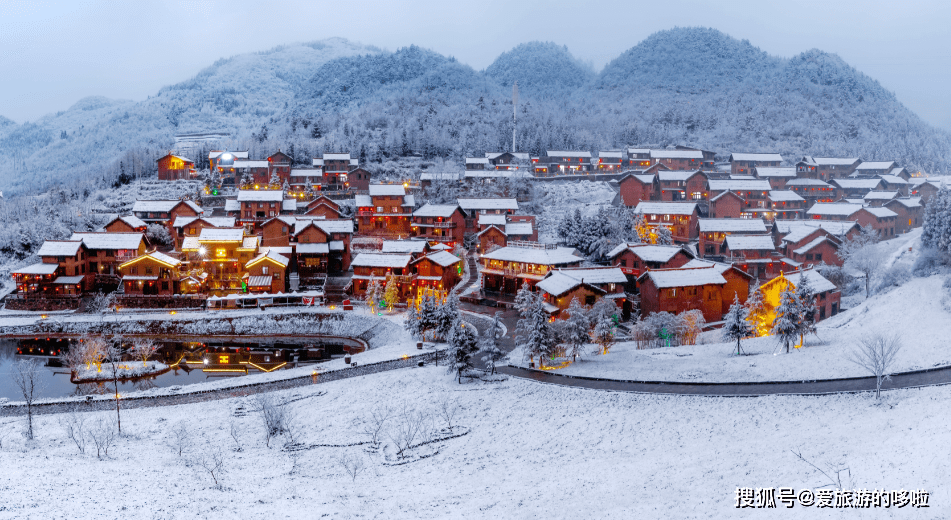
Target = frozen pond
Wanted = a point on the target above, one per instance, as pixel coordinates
(193, 360)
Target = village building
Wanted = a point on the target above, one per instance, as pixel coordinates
(416, 248)
(476, 163)
(797, 230)
(587, 285)
(738, 281)
(164, 211)
(266, 273)
(506, 269)
(828, 297)
(302, 180)
(680, 217)
(777, 177)
(336, 169)
(895, 183)
(684, 289)
(323, 206)
(744, 163)
(856, 188)
(678, 159)
(908, 213)
(250, 174)
(809, 249)
(192, 226)
(279, 166)
(564, 162)
(153, 274)
(785, 204)
(610, 161)
(472, 208)
(755, 254)
(871, 168)
(877, 199)
(713, 232)
(426, 179)
(634, 259)
(104, 253)
(682, 185)
(755, 193)
(636, 187)
(507, 160)
(882, 220)
(813, 190)
(357, 180)
(924, 189)
(61, 273)
(445, 223)
(173, 167)
(257, 206)
(218, 158)
(436, 274)
(901, 173)
(826, 168)
(221, 254)
(126, 224)
(639, 158)
(726, 205)
(368, 267)
(387, 211)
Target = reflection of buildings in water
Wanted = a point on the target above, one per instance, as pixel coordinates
(90, 389)
(145, 383)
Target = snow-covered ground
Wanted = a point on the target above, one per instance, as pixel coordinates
(562, 198)
(532, 451)
(126, 369)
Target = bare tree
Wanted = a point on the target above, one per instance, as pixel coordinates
(876, 353)
(27, 374)
(212, 460)
(861, 253)
(103, 435)
(832, 473)
(449, 408)
(353, 465)
(144, 349)
(273, 414)
(236, 435)
(373, 424)
(410, 428)
(179, 438)
(113, 358)
(74, 423)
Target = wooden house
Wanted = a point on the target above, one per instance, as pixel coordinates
(744, 163)
(826, 168)
(777, 177)
(882, 220)
(267, 273)
(416, 248)
(567, 162)
(610, 161)
(755, 254)
(877, 199)
(191, 226)
(636, 187)
(250, 174)
(755, 193)
(924, 189)
(856, 187)
(126, 224)
(786, 204)
(476, 163)
(587, 285)
(909, 213)
(279, 165)
(679, 160)
(638, 158)
(818, 247)
(221, 254)
(682, 185)
(217, 159)
(323, 206)
(152, 274)
(165, 211)
(713, 232)
(684, 289)
(828, 296)
(443, 223)
(871, 168)
(738, 281)
(813, 190)
(506, 269)
(473, 208)
(105, 252)
(634, 259)
(173, 167)
(680, 217)
(895, 183)
(726, 205)
(36, 280)
(62, 271)
(437, 273)
(387, 211)
(380, 267)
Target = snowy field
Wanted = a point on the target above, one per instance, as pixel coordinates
(562, 198)
(532, 451)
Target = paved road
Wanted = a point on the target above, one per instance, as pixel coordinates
(931, 377)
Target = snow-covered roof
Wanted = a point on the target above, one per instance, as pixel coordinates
(317, 162)
(491, 219)
(443, 258)
(719, 266)
(833, 209)
(561, 280)
(404, 246)
(724, 194)
(611, 154)
(732, 225)
(648, 252)
(531, 255)
(336, 245)
(476, 160)
(806, 182)
(892, 179)
(646, 178)
(110, 241)
(666, 208)
(68, 280)
(336, 156)
(568, 153)
(232, 205)
(764, 171)
(381, 260)
(671, 176)
(734, 185)
(835, 161)
(289, 205)
(409, 200)
(518, 228)
(813, 244)
(895, 172)
(750, 243)
(221, 235)
(867, 184)
(387, 190)
(131, 220)
(250, 164)
(818, 282)
(212, 221)
(362, 201)
(908, 202)
(214, 154)
(796, 234)
(632, 151)
(190, 244)
(772, 157)
(691, 277)
(59, 248)
(334, 226)
(487, 204)
(881, 212)
(313, 249)
(270, 255)
(875, 165)
(436, 210)
(307, 172)
(154, 206)
(250, 243)
(881, 195)
(447, 176)
(260, 196)
(40, 268)
(676, 154)
(837, 228)
(784, 196)
(162, 257)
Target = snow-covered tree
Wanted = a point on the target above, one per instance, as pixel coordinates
(735, 324)
(603, 334)
(664, 237)
(786, 325)
(392, 292)
(143, 349)
(759, 312)
(489, 343)
(428, 315)
(446, 317)
(693, 322)
(159, 235)
(936, 226)
(573, 330)
(876, 354)
(535, 335)
(524, 299)
(462, 345)
(806, 298)
(861, 252)
(413, 323)
(373, 294)
(275, 180)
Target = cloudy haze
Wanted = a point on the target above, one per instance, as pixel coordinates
(55, 53)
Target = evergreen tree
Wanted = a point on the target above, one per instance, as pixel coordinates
(758, 311)
(604, 334)
(806, 299)
(535, 335)
(446, 316)
(462, 345)
(735, 324)
(936, 226)
(373, 294)
(428, 312)
(524, 299)
(664, 236)
(574, 329)
(861, 253)
(786, 325)
(489, 343)
(392, 292)
(414, 324)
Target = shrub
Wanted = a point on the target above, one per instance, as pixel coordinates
(894, 276)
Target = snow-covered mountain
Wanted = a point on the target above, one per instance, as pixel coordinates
(682, 86)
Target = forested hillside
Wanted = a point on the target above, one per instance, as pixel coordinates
(682, 86)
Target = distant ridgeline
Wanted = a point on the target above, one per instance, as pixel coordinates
(688, 85)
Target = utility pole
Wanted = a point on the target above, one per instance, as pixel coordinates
(514, 113)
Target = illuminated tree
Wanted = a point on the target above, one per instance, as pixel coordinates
(392, 292)
(786, 325)
(373, 294)
(759, 313)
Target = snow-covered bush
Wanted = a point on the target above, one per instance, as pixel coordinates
(894, 276)
(929, 262)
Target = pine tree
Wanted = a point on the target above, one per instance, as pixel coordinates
(758, 311)
(574, 329)
(806, 299)
(446, 316)
(535, 335)
(604, 334)
(462, 345)
(735, 324)
(936, 226)
(489, 343)
(373, 294)
(524, 299)
(392, 292)
(427, 315)
(664, 236)
(414, 324)
(786, 325)
(275, 180)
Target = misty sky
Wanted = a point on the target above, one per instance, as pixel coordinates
(55, 53)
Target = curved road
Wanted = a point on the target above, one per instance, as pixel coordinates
(930, 377)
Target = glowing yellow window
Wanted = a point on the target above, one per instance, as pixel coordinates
(223, 359)
(221, 252)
